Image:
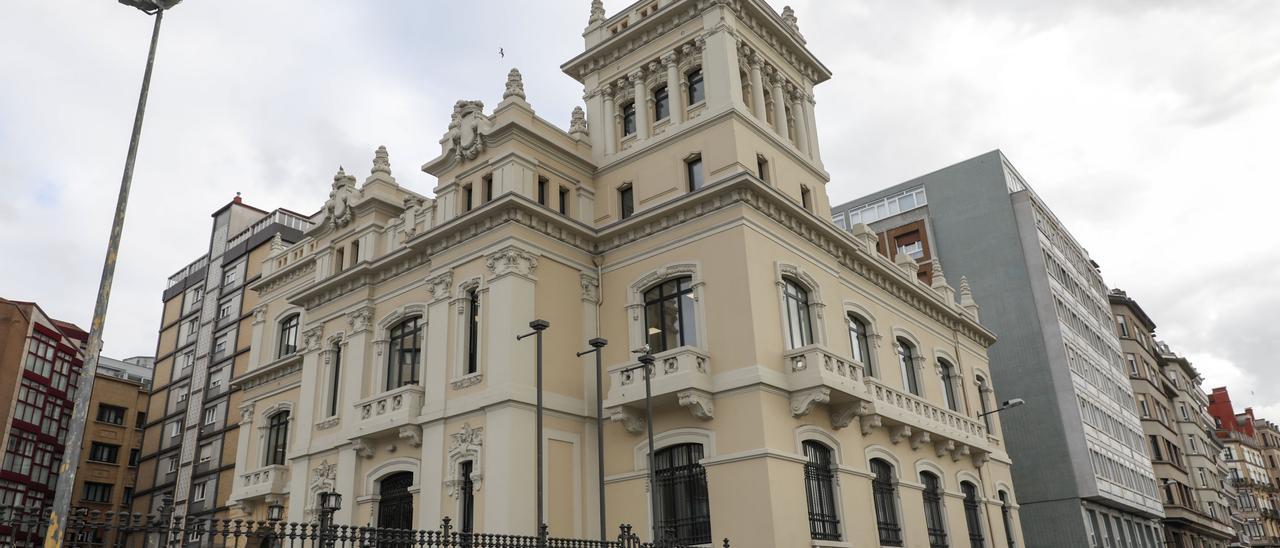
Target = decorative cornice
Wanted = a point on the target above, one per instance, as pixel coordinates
(512, 260)
(275, 370)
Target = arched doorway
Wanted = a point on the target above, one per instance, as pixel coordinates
(395, 502)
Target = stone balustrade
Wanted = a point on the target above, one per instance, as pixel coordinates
(388, 410)
(681, 375)
(268, 480)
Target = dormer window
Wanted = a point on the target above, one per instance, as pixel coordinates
(661, 104)
(629, 119)
(697, 89)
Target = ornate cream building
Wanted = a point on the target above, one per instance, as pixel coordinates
(807, 391)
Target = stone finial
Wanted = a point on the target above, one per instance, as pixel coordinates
(789, 17)
(865, 236)
(939, 280)
(597, 12)
(906, 263)
(578, 123)
(277, 244)
(381, 161)
(966, 298)
(515, 85)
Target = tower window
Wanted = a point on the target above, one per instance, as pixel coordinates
(697, 88)
(661, 104)
(564, 201)
(466, 198)
(806, 197)
(626, 203)
(693, 168)
(488, 188)
(762, 168)
(629, 119)
(542, 190)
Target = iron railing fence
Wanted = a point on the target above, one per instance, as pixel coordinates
(22, 527)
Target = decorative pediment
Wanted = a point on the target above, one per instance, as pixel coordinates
(465, 445)
(468, 130)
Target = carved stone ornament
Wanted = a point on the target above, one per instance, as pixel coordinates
(578, 122)
(411, 433)
(440, 285)
(515, 85)
(468, 130)
(323, 479)
(277, 244)
(789, 18)
(312, 338)
(382, 161)
(590, 288)
(337, 208)
(466, 438)
(465, 445)
(409, 218)
(362, 448)
(630, 419)
(511, 260)
(597, 12)
(804, 401)
(698, 402)
(360, 319)
(260, 314)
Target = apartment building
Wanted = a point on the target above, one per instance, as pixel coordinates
(112, 440)
(807, 391)
(1079, 449)
(1270, 434)
(1179, 431)
(40, 360)
(192, 414)
(1247, 469)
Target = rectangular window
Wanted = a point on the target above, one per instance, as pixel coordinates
(466, 198)
(229, 277)
(97, 492)
(134, 454)
(198, 493)
(339, 260)
(542, 190)
(473, 331)
(697, 88)
(104, 452)
(626, 204)
(173, 464)
(126, 498)
(206, 453)
(1122, 325)
(661, 104)
(175, 429)
(762, 168)
(355, 252)
(488, 188)
(806, 197)
(564, 201)
(210, 416)
(110, 414)
(693, 172)
(629, 119)
(1132, 360)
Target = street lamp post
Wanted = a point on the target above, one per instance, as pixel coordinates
(538, 326)
(597, 347)
(71, 455)
(646, 363)
(329, 503)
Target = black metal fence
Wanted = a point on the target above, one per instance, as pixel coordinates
(24, 527)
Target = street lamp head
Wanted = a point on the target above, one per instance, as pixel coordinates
(539, 325)
(647, 359)
(150, 6)
(275, 512)
(597, 342)
(644, 349)
(1009, 404)
(330, 501)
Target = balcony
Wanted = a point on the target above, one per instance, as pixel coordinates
(922, 422)
(268, 480)
(681, 375)
(389, 410)
(815, 375)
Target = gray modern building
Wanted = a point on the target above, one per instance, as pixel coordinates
(1080, 465)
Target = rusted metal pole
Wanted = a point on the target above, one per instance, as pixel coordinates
(71, 455)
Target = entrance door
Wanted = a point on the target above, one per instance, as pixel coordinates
(395, 502)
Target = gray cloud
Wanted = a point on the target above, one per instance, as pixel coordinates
(1146, 125)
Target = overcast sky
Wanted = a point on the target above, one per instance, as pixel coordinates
(1150, 127)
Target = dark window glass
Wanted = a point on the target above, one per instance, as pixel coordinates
(564, 201)
(983, 389)
(884, 495)
(669, 316)
(335, 380)
(277, 438)
(971, 517)
(806, 198)
(628, 119)
(694, 173)
(661, 104)
(488, 188)
(1006, 516)
(288, 343)
(141, 420)
(97, 492)
(406, 346)
(111, 413)
(466, 198)
(907, 362)
(542, 191)
(860, 343)
(948, 383)
(468, 501)
(133, 456)
(683, 505)
(104, 452)
(626, 203)
(473, 331)
(796, 300)
(934, 520)
(819, 488)
(697, 89)
(762, 168)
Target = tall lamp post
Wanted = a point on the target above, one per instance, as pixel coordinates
(646, 363)
(538, 326)
(71, 455)
(1005, 405)
(597, 346)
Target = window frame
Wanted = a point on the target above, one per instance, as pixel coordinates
(695, 177)
(472, 364)
(973, 514)
(935, 515)
(690, 514)
(626, 201)
(797, 313)
(629, 122)
(658, 297)
(820, 490)
(860, 342)
(287, 335)
(908, 358)
(275, 445)
(884, 497)
(395, 367)
(661, 103)
(697, 86)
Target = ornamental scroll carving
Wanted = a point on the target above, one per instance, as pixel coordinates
(468, 129)
(465, 445)
(512, 260)
(338, 207)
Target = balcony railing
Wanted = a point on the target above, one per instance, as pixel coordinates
(195, 265)
(389, 410)
(813, 366)
(682, 375)
(919, 415)
(278, 216)
(268, 480)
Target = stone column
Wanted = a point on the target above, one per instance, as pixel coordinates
(610, 141)
(675, 96)
(641, 104)
(780, 107)
(436, 378)
(720, 61)
(431, 479)
(510, 363)
(814, 148)
(347, 483)
(802, 126)
(757, 87)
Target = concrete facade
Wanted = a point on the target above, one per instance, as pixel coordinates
(1082, 471)
(112, 443)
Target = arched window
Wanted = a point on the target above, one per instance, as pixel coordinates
(670, 318)
(884, 494)
(288, 343)
(907, 361)
(948, 383)
(683, 504)
(697, 88)
(799, 325)
(277, 438)
(406, 346)
(971, 514)
(819, 487)
(473, 331)
(982, 400)
(859, 341)
(1006, 516)
(934, 519)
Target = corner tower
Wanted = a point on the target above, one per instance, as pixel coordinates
(684, 93)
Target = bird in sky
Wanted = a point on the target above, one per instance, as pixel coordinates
(501, 53)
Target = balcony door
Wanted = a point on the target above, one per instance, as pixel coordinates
(395, 502)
